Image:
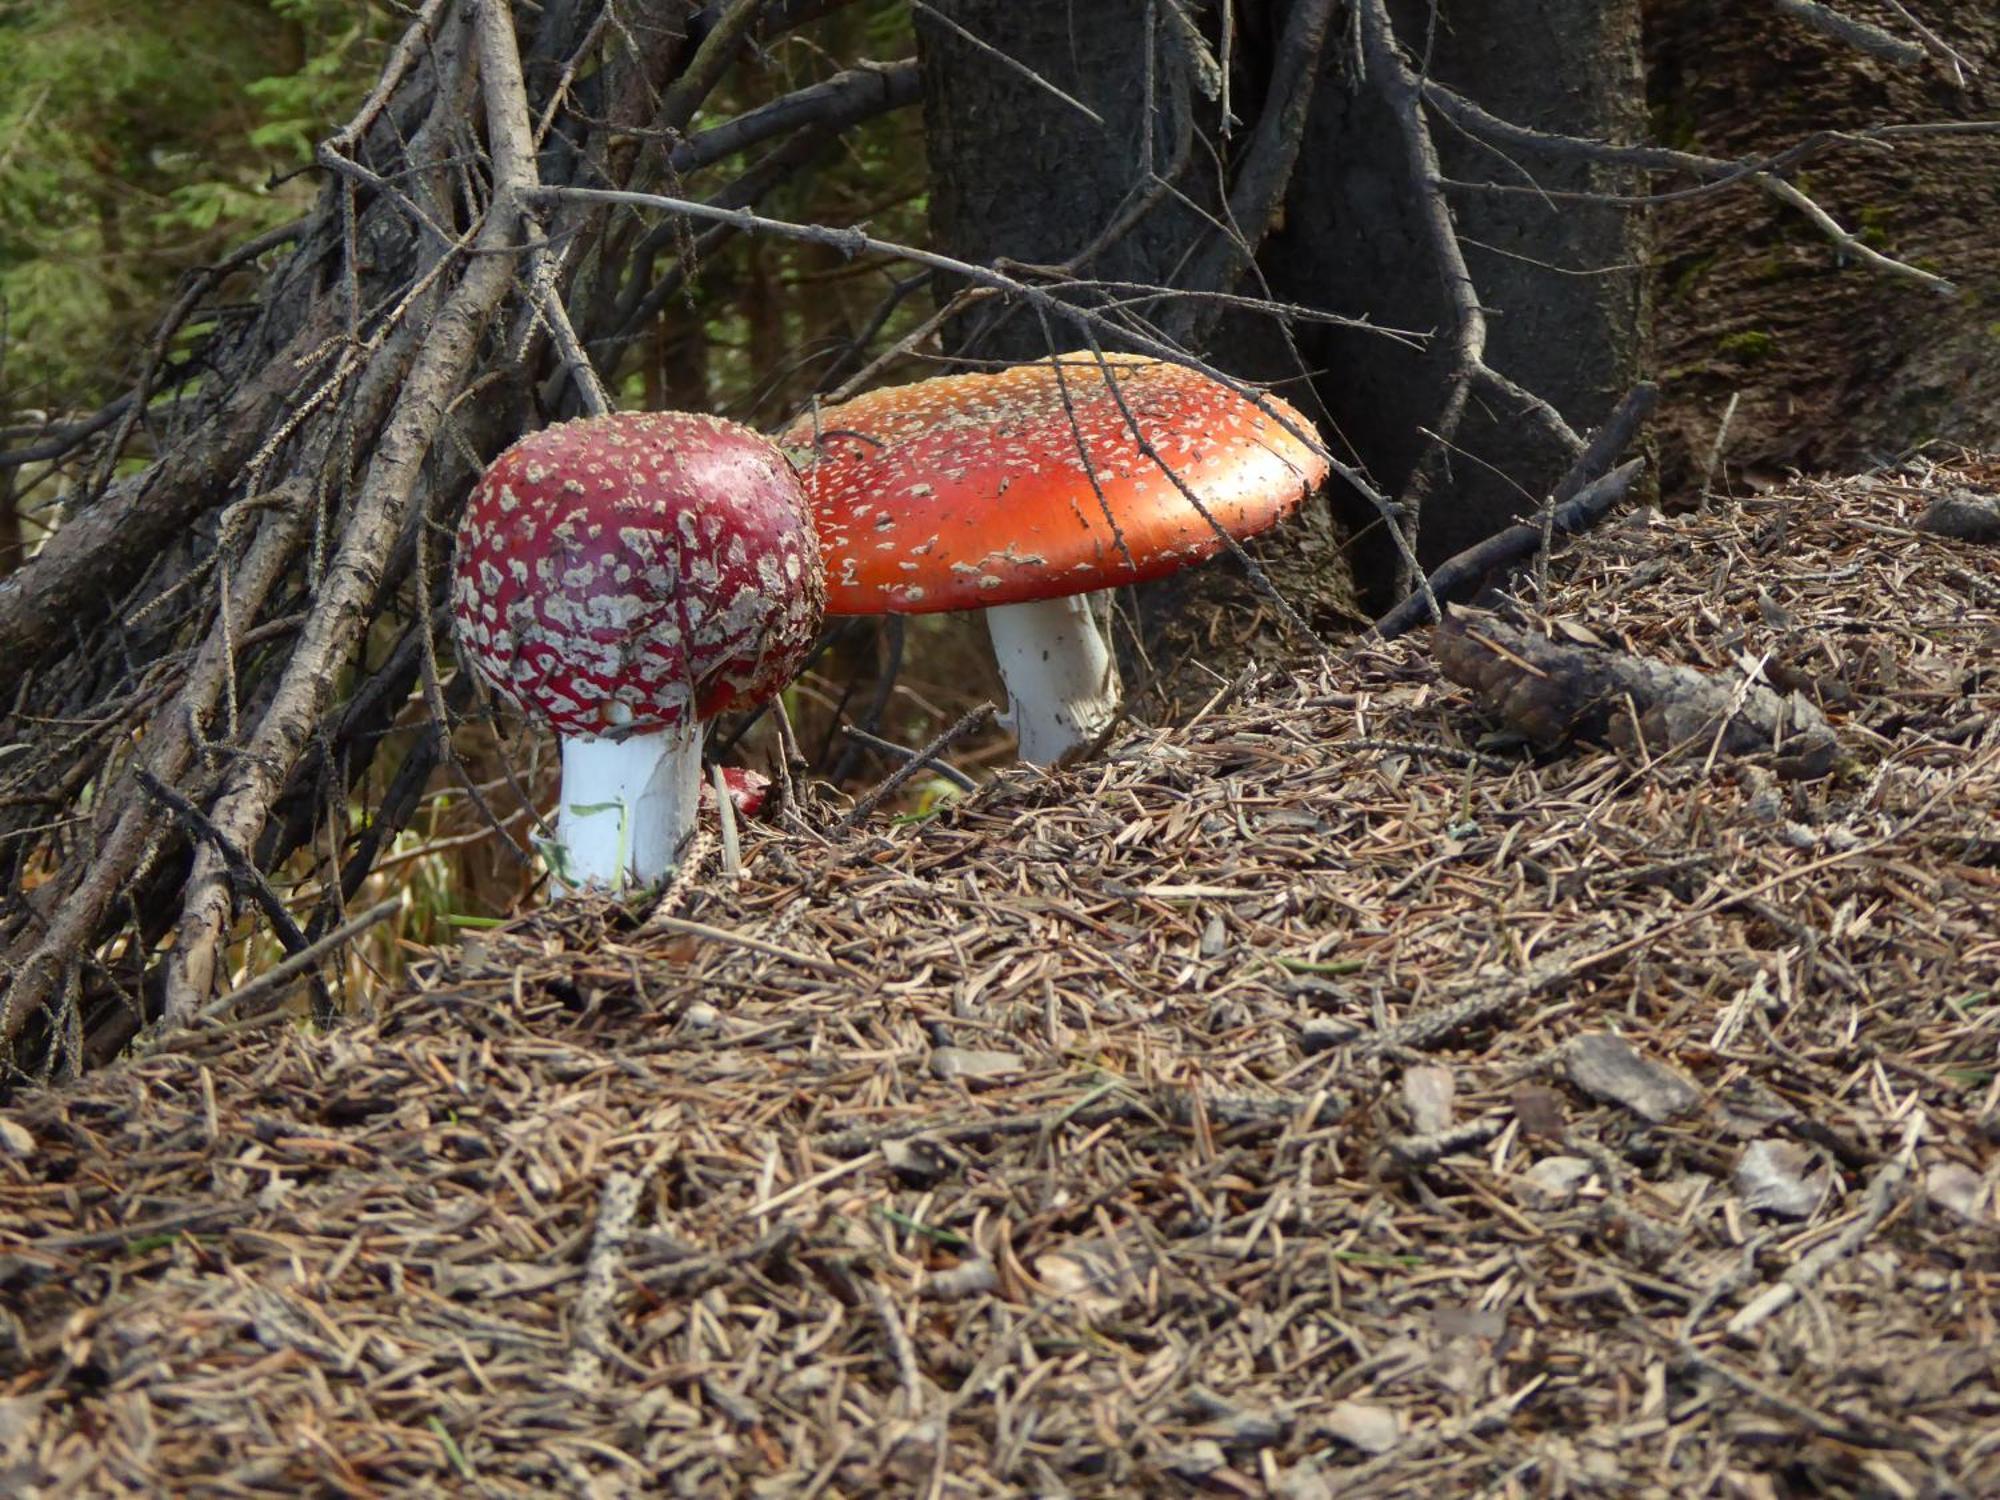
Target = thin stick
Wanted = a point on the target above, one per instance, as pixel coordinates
(852, 242)
(1510, 546)
(241, 871)
(924, 757)
(1715, 449)
(279, 975)
(590, 1328)
(662, 922)
(1863, 36)
(944, 769)
(788, 754)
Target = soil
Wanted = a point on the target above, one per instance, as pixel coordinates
(1336, 1093)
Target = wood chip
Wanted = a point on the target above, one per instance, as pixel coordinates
(973, 1062)
(1777, 1177)
(1605, 1065)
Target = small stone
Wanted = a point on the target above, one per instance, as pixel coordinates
(1963, 515)
(1090, 1276)
(1553, 1181)
(966, 1279)
(1961, 1190)
(1427, 1095)
(1199, 1459)
(1363, 1425)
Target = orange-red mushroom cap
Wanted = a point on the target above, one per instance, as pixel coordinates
(971, 491)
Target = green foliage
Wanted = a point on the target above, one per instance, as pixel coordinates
(138, 141)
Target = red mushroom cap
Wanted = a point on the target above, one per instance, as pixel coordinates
(747, 789)
(977, 490)
(624, 572)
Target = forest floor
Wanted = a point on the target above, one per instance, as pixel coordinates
(1330, 1095)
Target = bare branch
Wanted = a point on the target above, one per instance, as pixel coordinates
(1827, 225)
(1863, 36)
(1715, 172)
(846, 99)
(1510, 546)
(342, 610)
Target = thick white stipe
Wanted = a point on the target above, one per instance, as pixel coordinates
(627, 805)
(1062, 684)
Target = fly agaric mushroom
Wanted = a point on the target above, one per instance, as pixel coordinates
(627, 577)
(1022, 491)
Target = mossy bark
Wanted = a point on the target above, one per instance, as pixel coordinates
(1832, 364)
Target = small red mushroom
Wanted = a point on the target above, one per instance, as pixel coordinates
(1022, 491)
(627, 577)
(747, 790)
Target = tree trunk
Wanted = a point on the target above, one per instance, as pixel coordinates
(1561, 281)
(1043, 142)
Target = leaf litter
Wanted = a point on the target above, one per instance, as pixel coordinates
(1330, 1096)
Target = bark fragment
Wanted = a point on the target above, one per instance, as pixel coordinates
(1585, 688)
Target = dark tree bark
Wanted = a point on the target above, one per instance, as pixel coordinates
(1022, 172)
(1561, 281)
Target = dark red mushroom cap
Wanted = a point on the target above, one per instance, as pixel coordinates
(976, 490)
(623, 572)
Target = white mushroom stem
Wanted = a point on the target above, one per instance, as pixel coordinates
(1062, 684)
(627, 805)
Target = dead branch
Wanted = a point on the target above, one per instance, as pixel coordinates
(1863, 36)
(211, 623)
(1715, 173)
(590, 1326)
(922, 759)
(1517, 543)
(342, 611)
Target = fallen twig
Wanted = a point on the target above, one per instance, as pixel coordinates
(925, 757)
(590, 1325)
(1505, 548)
(278, 975)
